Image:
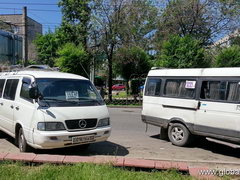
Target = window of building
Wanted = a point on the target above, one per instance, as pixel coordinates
(2, 81)
(153, 87)
(181, 88)
(10, 89)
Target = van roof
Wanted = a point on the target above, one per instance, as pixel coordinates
(42, 74)
(232, 71)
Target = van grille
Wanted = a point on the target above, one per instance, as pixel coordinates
(81, 123)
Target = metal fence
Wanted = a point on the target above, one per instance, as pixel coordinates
(133, 96)
(122, 98)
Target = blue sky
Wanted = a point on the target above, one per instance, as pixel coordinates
(45, 12)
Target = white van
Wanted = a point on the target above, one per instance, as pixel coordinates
(188, 102)
(48, 109)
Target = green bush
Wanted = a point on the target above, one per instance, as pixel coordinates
(182, 52)
(229, 57)
(73, 59)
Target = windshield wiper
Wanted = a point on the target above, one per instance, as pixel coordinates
(59, 100)
(90, 100)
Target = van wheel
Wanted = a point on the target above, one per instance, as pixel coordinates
(22, 143)
(179, 134)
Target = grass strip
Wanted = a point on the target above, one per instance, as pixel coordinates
(12, 171)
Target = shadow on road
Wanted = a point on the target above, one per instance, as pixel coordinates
(214, 147)
(10, 139)
(100, 148)
(218, 148)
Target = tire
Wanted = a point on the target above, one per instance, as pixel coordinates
(179, 135)
(22, 143)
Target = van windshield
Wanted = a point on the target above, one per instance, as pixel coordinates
(68, 92)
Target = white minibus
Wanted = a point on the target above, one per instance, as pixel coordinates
(189, 103)
(47, 109)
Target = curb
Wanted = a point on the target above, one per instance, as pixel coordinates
(115, 161)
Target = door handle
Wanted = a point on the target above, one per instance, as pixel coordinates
(17, 108)
(12, 106)
(199, 105)
(1, 103)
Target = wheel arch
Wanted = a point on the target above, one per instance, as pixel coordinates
(17, 127)
(189, 126)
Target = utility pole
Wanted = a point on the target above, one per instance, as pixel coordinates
(25, 36)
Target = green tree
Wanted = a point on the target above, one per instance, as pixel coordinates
(182, 52)
(75, 21)
(73, 59)
(107, 18)
(47, 46)
(132, 61)
(139, 23)
(201, 19)
(121, 23)
(235, 40)
(229, 57)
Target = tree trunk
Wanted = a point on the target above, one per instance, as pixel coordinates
(110, 71)
(110, 79)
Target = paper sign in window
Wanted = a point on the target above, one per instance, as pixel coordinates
(71, 94)
(190, 84)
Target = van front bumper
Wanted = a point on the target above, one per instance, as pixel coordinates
(59, 139)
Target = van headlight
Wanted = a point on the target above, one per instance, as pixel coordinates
(50, 126)
(104, 122)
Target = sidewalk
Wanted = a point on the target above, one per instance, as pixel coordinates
(195, 169)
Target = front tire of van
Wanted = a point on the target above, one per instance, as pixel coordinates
(22, 143)
(179, 135)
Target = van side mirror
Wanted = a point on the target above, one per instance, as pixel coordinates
(33, 93)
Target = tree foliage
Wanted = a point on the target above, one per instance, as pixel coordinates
(132, 61)
(202, 19)
(138, 24)
(229, 57)
(235, 41)
(182, 52)
(73, 59)
(75, 21)
(47, 46)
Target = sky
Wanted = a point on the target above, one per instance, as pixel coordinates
(45, 12)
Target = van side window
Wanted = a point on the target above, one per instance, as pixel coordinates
(26, 82)
(153, 87)
(213, 90)
(10, 89)
(180, 88)
(2, 81)
(233, 92)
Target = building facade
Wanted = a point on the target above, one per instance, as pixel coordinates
(25, 27)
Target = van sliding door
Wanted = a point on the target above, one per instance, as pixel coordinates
(219, 111)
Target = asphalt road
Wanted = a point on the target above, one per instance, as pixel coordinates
(129, 139)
